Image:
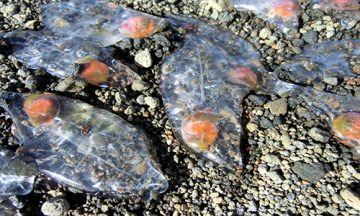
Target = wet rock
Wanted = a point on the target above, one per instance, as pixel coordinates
(310, 37)
(351, 198)
(151, 102)
(272, 159)
(71, 84)
(251, 127)
(277, 107)
(139, 85)
(309, 172)
(331, 80)
(319, 135)
(55, 207)
(144, 59)
(31, 82)
(265, 33)
(275, 176)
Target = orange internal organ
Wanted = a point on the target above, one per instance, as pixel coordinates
(95, 72)
(41, 108)
(347, 126)
(243, 75)
(139, 27)
(286, 9)
(200, 130)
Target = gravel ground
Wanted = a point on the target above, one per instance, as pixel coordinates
(293, 165)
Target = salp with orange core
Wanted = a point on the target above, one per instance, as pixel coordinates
(285, 9)
(346, 4)
(200, 130)
(243, 75)
(41, 108)
(138, 26)
(347, 126)
(95, 72)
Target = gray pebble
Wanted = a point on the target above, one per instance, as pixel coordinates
(55, 207)
(144, 59)
(310, 37)
(319, 135)
(309, 172)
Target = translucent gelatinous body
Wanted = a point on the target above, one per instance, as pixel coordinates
(282, 13)
(323, 60)
(86, 147)
(348, 11)
(343, 112)
(16, 176)
(99, 20)
(203, 84)
(72, 56)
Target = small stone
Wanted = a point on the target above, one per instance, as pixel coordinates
(310, 37)
(330, 34)
(265, 33)
(217, 200)
(151, 102)
(144, 59)
(71, 85)
(319, 135)
(130, 110)
(275, 176)
(139, 85)
(10, 9)
(30, 24)
(356, 68)
(277, 107)
(351, 198)
(252, 206)
(55, 207)
(141, 100)
(251, 127)
(272, 160)
(31, 83)
(331, 80)
(309, 172)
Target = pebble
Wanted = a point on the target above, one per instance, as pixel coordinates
(310, 37)
(152, 102)
(275, 176)
(139, 85)
(144, 59)
(55, 207)
(319, 135)
(277, 107)
(272, 159)
(309, 172)
(331, 81)
(251, 127)
(70, 84)
(265, 33)
(351, 198)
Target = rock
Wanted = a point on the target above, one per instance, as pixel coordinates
(356, 68)
(71, 84)
(251, 127)
(258, 100)
(55, 207)
(277, 107)
(31, 82)
(143, 58)
(331, 80)
(139, 85)
(252, 206)
(309, 172)
(266, 123)
(310, 37)
(272, 160)
(298, 42)
(140, 100)
(151, 101)
(30, 24)
(351, 198)
(319, 135)
(10, 9)
(265, 33)
(275, 176)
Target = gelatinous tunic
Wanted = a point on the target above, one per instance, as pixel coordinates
(71, 56)
(342, 112)
(16, 176)
(322, 60)
(203, 84)
(82, 146)
(347, 11)
(282, 13)
(102, 21)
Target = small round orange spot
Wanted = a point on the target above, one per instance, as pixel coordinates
(95, 72)
(243, 75)
(347, 126)
(138, 27)
(41, 108)
(286, 9)
(200, 130)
